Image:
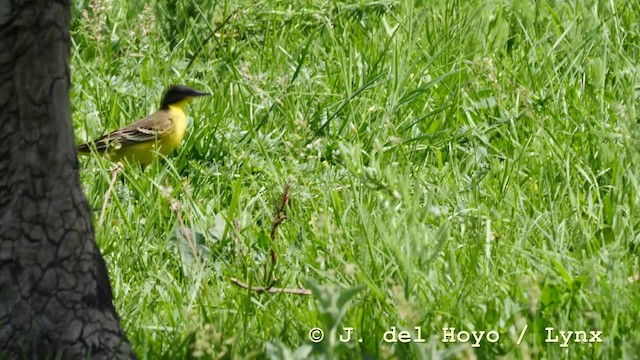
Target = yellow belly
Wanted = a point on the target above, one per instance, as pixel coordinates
(142, 153)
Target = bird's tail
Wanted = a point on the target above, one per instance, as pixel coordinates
(86, 148)
(83, 149)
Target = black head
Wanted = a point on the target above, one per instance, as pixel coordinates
(177, 93)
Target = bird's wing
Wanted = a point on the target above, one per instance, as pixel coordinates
(150, 128)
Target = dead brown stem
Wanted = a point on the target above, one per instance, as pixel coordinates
(278, 219)
(270, 290)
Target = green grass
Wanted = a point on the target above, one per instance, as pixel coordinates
(456, 164)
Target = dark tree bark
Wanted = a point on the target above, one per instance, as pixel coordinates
(55, 296)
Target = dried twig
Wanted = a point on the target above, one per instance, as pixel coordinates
(278, 219)
(270, 289)
(114, 175)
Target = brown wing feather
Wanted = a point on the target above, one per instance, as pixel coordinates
(146, 129)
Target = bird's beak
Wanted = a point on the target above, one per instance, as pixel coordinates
(197, 93)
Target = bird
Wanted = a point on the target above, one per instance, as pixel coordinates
(159, 132)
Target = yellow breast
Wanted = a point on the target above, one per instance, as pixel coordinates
(172, 140)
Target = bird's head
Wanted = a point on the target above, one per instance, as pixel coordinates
(179, 95)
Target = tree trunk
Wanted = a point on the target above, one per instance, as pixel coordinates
(55, 295)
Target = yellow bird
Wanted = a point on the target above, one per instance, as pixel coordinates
(160, 132)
